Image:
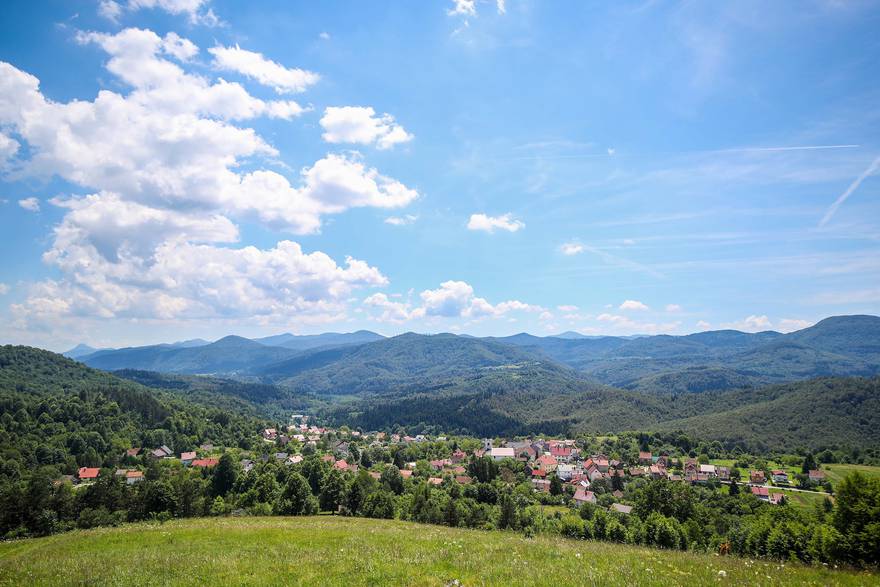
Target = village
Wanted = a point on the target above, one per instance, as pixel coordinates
(579, 477)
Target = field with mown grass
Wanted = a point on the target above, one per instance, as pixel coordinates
(352, 551)
(835, 472)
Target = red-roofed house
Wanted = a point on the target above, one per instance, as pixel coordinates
(206, 463)
(132, 477)
(187, 457)
(761, 493)
(406, 473)
(88, 473)
(546, 462)
(757, 477)
(463, 479)
(817, 476)
(645, 458)
(582, 496)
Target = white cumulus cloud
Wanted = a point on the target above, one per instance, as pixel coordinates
(361, 125)
(31, 204)
(571, 248)
(492, 223)
(267, 72)
(633, 305)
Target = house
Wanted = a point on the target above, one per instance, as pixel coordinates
(328, 458)
(561, 452)
(294, 459)
(691, 467)
(205, 463)
(761, 493)
(132, 477)
(280, 456)
(270, 434)
(88, 473)
(187, 457)
(132, 452)
(458, 456)
(757, 477)
(617, 494)
(565, 472)
(722, 473)
(620, 508)
(539, 473)
(247, 465)
(120, 472)
(502, 453)
(708, 470)
(582, 496)
(341, 465)
(435, 480)
(779, 476)
(603, 465)
(463, 479)
(546, 462)
(163, 452)
(645, 458)
(817, 476)
(406, 473)
(657, 472)
(207, 447)
(541, 485)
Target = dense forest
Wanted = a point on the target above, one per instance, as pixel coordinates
(57, 415)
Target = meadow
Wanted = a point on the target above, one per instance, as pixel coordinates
(329, 550)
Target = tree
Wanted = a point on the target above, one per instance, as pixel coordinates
(392, 479)
(225, 475)
(809, 464)
(332, 490)
(857, 517)
(556, 485)
(734, 488)
(296, 498)
(379, 504)
(507, 514)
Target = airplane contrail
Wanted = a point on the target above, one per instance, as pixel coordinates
(852, 187)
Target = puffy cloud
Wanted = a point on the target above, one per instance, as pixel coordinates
(633, 305)
(567, 308)
(673, 308)
(8, 148)
(453, 299)
(625, 325)
(463, 8)
(164, 166)
(186, 280)
(792, 324)
(359, 124)
(4, 289)
(750, 324)
(267, 72)
(31, 204)
(110, 10)
(571, 248)
(703, 325)
(492, 223)
(191, 8)
(401, 220)
(391, 311)
(502, 6)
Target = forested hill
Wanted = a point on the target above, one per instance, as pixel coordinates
(405, 360)
(60, 415)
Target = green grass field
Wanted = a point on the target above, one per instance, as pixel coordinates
(350, 551)
(836, 472)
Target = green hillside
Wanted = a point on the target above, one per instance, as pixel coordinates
(816, 414)
(349, 551)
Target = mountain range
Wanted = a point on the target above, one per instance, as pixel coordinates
(363, 361)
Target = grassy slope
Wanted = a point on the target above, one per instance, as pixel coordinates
(344, 551)
(835, 472)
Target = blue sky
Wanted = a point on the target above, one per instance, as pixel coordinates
(173, 169)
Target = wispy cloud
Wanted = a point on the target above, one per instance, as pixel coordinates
(849, 191)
